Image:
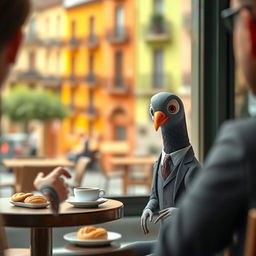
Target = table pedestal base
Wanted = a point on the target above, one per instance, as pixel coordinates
(41, 241)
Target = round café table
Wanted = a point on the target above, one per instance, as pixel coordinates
(41, 221)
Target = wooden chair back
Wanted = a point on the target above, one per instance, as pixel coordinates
(80, 169)
(250, 242)
(25, 177)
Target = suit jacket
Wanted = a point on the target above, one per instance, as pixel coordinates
(166, 193)
(216, 206)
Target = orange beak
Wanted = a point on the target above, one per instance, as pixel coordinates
(159, 119)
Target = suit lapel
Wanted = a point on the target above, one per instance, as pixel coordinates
(183, 167)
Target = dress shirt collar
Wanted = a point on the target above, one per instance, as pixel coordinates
(176, 156)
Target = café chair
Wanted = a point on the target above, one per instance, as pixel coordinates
(11, 251)
(26, 177)
(80, 169)
(250, 241)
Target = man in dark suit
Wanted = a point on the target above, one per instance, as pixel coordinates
(175, 168)
(216, 206)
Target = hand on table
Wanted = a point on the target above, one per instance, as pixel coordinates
(54, 179)
(147, 214)
(165, 213)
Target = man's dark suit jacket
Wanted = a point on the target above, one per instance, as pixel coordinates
(166, 193)
(216, 206)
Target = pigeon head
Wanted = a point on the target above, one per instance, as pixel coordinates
(167, 112)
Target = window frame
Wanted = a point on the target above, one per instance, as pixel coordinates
(212, 83)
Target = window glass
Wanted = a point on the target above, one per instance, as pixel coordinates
(138, 49)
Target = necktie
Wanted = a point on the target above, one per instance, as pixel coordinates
(166, 168)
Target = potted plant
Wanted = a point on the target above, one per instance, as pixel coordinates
(157, 22)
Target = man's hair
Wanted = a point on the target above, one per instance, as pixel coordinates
(13, 14)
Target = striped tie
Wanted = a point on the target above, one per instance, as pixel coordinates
(166, 168)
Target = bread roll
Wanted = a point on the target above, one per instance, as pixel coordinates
(35, 200)
(20, 196)
(90, 232)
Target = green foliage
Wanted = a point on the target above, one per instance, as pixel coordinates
(157, 18)
(23, 105)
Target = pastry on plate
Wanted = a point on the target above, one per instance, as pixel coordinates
(35, 200)
(17, 197)
(90, 232)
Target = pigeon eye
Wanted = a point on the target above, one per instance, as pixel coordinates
(173, 107)
(151, 111)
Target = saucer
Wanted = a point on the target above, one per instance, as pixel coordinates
(90, 204)
(72, 238)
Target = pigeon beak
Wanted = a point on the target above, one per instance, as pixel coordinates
(159, 119)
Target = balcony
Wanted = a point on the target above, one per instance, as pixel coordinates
(51, 81)
(148, 85)
(91, 41)
(91, 112)
(158, 30)
(73, 43)
(91, 79)
(117, 35)
(118, 86)
(30, 76)
(31, 39)
(72, 79)
(51, 42)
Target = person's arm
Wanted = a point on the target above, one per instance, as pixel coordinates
(213, 205)
(54, 180)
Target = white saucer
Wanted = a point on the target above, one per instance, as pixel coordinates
(72, 238)
(22, 204)
(76, 203)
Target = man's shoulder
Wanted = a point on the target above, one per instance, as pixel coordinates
(243, 130)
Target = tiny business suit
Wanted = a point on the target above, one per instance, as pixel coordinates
(166, 193)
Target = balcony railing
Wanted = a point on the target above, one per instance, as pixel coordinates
(51, 81)
(51, 42)
(91, 79)
(151, 84)
(91, 112)
(72, 79)
(73, 42)
(158, 32)
(118, 85)
(117, 35)
(91, 41)
(31, 74)
(31, 38)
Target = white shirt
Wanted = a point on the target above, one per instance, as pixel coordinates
(176, 156)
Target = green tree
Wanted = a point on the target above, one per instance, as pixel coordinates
(23, 105)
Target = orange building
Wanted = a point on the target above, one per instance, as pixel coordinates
(99, 75)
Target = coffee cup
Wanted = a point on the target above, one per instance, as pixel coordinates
(87, 194)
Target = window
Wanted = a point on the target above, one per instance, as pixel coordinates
(92, 26)
(158, 65)
(119, 21)
(32, 28)
(91, 63)
(158, 6)
(32, 60)
(120, 133)
(73, 28)
(119, 69)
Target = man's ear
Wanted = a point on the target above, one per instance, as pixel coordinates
(13, 47)
(252, 35)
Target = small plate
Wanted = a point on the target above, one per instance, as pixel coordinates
(90, 204)
(22, 204)
(71, 237)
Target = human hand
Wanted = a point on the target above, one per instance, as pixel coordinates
(54, 179)
(164, 213)
(147, 214)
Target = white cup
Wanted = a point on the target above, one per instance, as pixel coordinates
(87, 194)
